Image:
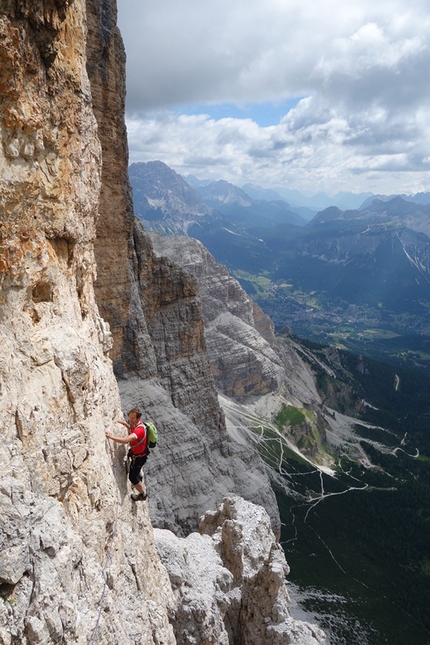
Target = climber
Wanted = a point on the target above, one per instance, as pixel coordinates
(138, 440)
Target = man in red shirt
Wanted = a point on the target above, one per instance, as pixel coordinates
(138, 440)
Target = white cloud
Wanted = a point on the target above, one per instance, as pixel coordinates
(361, 65)
(310, 149)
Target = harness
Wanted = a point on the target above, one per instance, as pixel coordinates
(140, 445)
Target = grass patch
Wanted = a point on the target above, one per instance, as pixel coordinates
(259, 284)
(380, 333)
(288, 414)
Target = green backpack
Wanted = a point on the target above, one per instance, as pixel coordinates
(152, 434)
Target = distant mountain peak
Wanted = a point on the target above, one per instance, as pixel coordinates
(390, 213)
(225, 193)
(327, 215)
(163, 199)
(264, 194)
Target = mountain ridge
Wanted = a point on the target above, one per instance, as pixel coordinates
(392, 211)
(165, 202)
(315, 277)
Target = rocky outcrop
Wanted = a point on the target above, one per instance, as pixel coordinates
(243, 362)
(246, 358)
(229, 581)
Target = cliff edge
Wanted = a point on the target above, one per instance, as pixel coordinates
(154, 311)
(70, 539)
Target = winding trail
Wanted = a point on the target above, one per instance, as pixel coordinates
(248, 427)
(397, 382)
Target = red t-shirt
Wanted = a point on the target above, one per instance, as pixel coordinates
(138, 445)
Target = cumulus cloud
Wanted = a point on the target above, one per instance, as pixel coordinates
(360, 68)
(309, 150)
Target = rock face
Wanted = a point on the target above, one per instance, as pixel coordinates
(154, 311)
(70, 575)
(246, 358)
(229, 581)
(243, 363)
(70, 544)
(194, 465)
(115, 287)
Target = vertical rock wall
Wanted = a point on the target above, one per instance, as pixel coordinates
(242, 361)
(173, 312)
(53, 354)
(116, 293)
(154, 311)
(70, 540)
(194, 465)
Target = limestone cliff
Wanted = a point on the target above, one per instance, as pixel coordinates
(257, 373)
(195, 465)
(154, 312)
(69, 539)
(228, 581)
(246, 358)
(115, 287)
(243, 363)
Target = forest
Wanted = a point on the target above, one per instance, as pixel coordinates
(364, 535)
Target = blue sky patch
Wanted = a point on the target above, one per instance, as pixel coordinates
(264, 114)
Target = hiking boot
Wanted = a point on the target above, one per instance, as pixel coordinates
(136, 497)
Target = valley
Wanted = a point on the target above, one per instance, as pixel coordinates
(355, 518)
(358, 279)
(397, 338)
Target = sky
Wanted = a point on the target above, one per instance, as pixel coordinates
(313, 95)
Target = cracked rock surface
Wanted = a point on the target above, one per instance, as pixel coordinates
(229, 581)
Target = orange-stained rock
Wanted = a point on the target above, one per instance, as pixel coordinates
(61, 484)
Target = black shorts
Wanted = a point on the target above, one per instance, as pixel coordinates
(136, 464)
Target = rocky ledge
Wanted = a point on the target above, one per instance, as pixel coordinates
(228, 581)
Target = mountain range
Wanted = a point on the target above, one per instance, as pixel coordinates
(167, 203)
(315, 202)
(358, 278)
(309, 204)
(361, 278)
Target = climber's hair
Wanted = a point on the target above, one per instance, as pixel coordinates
(137, 412)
